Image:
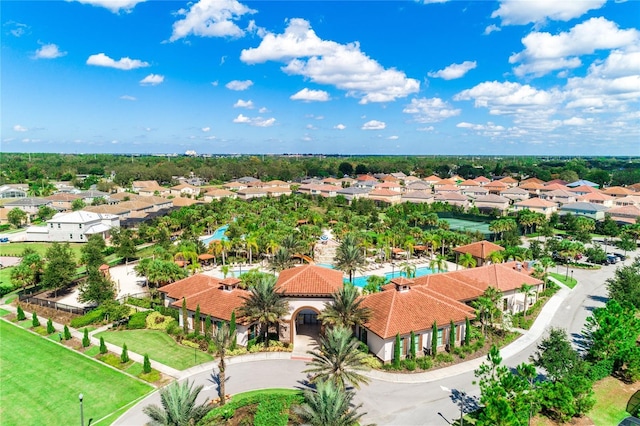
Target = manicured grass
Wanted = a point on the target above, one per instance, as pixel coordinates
(41, 381)
(4, 312)
(272, 406)
(569, 282)
(159, 345)
(16, 249)
(611, 401)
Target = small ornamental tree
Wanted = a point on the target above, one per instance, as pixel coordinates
(146, 365)
(434, 339)
(452, 336)
(85, 339)
(232, 330)
(467, 331)
(196, 321)
(207, 327)
(50, 328)
(185, 324)
(34, 320)
(20, 314)
(412, 349)
(103, 347)
(124, 356)
(66, 333)
(396, 352)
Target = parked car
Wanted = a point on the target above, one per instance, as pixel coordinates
(4, 240)
(621, 256)
(611, 259)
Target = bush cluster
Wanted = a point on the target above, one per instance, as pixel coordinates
(156, 321)
(92, 317)
(138, 320)
(170, 312)
(141, 303)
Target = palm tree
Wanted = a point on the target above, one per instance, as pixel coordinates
(496, 257)
(264, 305)
(349, 257)
(483, 306)
(408, 269)
(528, 292)
(345, 310)
(467, 260)
(329, 405)
(438, 264)
(221, 341)
(252, 243)
(178, 406)
(338, 359)
(281, 260)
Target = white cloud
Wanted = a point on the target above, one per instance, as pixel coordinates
(49, 51)
(425, 110)
(239, 85)
(310, 95)
(426, 129)
(339, 126)
(102, 60)
(243, 104)
(327, 62)
(454, 71)
(481, 127)
(206, 129)
(128, 98)
(498, 96)
(545, 52)
(393, 138)
(19, 128)
(214, 83)
(575, 121)
(152, 80)
(518, 12)
(210, 18)
(255, 121)
(113, 5)
(311, 127)
(16, 29)
(263, 110)
(374, 125)
(491, 28)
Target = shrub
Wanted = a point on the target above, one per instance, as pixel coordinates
(103, 346)
(146, 365)
(50, 328)
(251, 343)
(4, 289)
(34, 320)
(141, 303)
(444, 357)
(124, 355)
(173, 328)
(20, 314)
(170, 312)
(362, 346)
(410, 364)
(391, 367)
(92, 317)
(372, 361)
(157, 321)
(601, 369)
(424, 362)
(85, 339)
(67, 333)
(138, 320)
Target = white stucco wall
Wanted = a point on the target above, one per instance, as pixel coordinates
(296, 303)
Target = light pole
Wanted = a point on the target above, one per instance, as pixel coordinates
(81, 397)
(572, 275)
(393, 269)
(462, 401)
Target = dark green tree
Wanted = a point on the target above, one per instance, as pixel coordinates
(66, 333)
(434, 339)
(232, 330)
(467, 331)
(20, 314)
(196, 321)
(103, 346)
(96, 288)
(345, 168)
(624, 286)
(60, 268)
(50, 328)
(85, 339)
(34, 320)
(185, 316)
(124, 355)
(396, 351)
(207, 327)
(452, 336)
(16, 217)
(92, 252)
(146, 364)
(124, 243)
(412, 349)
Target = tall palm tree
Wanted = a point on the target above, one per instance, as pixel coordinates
(281, 260)
(496, 257)
(222, 341)
(329, 405)
(178, 406)
(438, 264)
(345, 309)
(467, 260)
(349, 256)
(408, 269)
(264, 305)
(528, 292)
(483, 307)
(338, 359)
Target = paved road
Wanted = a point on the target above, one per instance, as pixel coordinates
(427, 403)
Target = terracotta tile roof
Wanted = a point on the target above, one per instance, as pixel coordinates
(447, 188)
(62, 196)
(451, 196)
(481, 249)
(411, 310)
(558, 181)
(366, 177)
(585, 189)
(533, 180)
(449, 286)
(389, 185)
(617, 191)
(309, 280)
(469, 182)
(432, 178)
(554, 186)
(536, 202)
(492, 198)
(502, 276)
(508, 179)
(107, 208)
(216, 302)
(446, 182)
(624, 211)
(482, 179)
(531, 186)
(190, 286)
(496, 185)
(384, 193)
(595, 196)
(181, 201)
(331, 181)
(220, 193)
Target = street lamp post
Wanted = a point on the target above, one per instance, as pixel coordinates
(462, 401)
(393, 269)
(81, 397)
(572, 275)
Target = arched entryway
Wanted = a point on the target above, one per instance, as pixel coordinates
(305, 330)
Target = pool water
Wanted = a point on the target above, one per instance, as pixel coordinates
(362, 281)
(218, 235)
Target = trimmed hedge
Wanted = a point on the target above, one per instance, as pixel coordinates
(92, 317)
(138, 320)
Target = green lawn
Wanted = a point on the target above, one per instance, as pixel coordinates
(159, 345)
(569, 282)
(16, 249)
(41, 381)
(611, 401)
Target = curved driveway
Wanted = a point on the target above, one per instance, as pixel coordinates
(433, 401)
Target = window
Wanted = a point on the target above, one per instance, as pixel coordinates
(58, 226)
(71, 236)
(363, 335)
(440, 332)
(80, 225)
(51, 225)
(81, 236)
(402, 346)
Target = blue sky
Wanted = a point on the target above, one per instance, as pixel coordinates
(510, 77)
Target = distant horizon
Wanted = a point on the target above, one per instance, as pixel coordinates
(421, 77)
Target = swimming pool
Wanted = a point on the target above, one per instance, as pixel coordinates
(218, 235)
(362, 281)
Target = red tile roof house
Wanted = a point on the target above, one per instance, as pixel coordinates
(481, 251)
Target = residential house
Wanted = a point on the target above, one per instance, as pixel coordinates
(559, 196)
(386, 196)
(481, 251)
(7, 191)
(533, 188)
(582, 182)
(278, 191)
(584, 190)
(234, 186)
(432, 180)
(418, 185)
(482, 180)
(496, 187)
(597, 198)
(629, 200)
(475, 192)
(468, 184)
(445, 185)
(62, 201)
(29, 205)
(590, 210)
(185, 190)
(352, 193)
(418, 197)
(618, 191)
(625, 214)
(532, 180)
(92, 195)
(536, 205)
(74, 227)
(515, 194)
(509, 181)
(391, 186)
(250, 193)
(488, 203)
(453, 198)
(218, 194)
(123, 213)
(247, 179)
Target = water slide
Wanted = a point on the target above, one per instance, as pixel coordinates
(304, 257)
